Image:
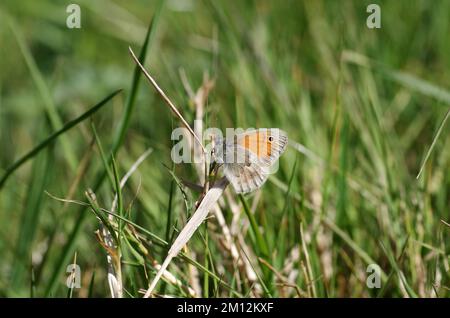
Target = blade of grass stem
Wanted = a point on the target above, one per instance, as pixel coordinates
(45, 143)
(433, 143)
(44, 91)
(123, 127)
(189, 229)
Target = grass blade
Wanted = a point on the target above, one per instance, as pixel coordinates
(33, 152)
(157, 241)
(129, 108)
(123, 126)
(414, 83)
(260, 241)
(189, 229)
(43, 89)
(396, 268)
(435, 138)
(118, 194)
(30, 217)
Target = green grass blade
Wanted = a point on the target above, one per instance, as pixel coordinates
(91, 286)
(123, 126)
(105, 160)
(118, 190)
(396, 268)
(45, 143)
(260, 241)
(131, 100)
(161, 242)
(435, 138)
(414, 83)
(44, 91)
(100, 215)
(182, 255)
(32, 284)
(393, 271)
(30, 218)
(169, 209)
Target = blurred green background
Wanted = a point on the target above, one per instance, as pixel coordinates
(361, 107)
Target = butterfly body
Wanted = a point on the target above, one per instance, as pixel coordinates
(247, 158)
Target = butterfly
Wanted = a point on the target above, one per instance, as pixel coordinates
(248, 157)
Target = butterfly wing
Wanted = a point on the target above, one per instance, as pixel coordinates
(245, 177)
(266, 143)
(248, 157)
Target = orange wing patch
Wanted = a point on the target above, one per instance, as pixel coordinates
(259, 143)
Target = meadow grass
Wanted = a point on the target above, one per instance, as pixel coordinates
(87, 176)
